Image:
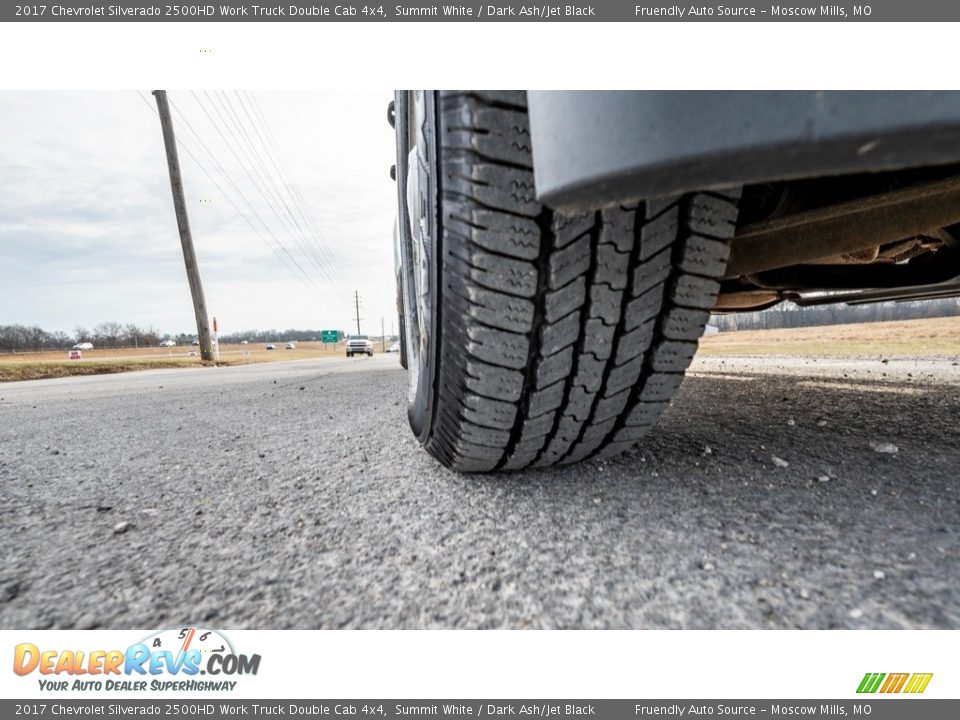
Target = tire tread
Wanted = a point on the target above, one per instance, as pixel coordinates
(562, 337)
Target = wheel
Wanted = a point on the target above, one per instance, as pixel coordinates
(349, 355)
(536, 338)
(369, 354)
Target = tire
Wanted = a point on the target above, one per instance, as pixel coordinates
(554, 338)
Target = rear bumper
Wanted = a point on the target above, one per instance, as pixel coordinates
(598, 148)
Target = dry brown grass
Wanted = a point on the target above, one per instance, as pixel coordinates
(10, 371)
(933, 337)
(31, 366)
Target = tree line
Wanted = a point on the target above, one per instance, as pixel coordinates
(274, 335)
(24, 338)
(788, 315)
(31, 338)
(19, 338)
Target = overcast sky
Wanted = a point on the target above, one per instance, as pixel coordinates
(88, 233)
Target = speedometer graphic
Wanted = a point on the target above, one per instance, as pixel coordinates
(183, 639)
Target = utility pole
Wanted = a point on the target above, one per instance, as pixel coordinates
(183, 224)
(356, 299)
(383, 338)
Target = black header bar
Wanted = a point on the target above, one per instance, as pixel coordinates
(471, 11)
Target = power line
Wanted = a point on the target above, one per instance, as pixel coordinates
(303, 274)
(258, 111)
(258, 184)
(261, 183)
(290, 186)
(185, 146)
(267, 185)
(269, 133)
(232, 144)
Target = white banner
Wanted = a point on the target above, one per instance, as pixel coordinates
(458, 664)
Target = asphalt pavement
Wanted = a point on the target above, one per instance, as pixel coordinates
(774, 494)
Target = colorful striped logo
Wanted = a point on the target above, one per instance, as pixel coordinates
(894, 682)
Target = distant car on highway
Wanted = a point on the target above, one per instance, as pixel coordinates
(195, 342)
(244, 342)
(394, 348)
(271, 346)
(83, 346)
(291, 346)
(168, 343)
(359, 345)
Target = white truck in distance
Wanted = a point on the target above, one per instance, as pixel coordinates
(359, 345)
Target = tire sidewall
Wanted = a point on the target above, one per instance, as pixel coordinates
(421, 402)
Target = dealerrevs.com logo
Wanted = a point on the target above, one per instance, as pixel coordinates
(167, 660)
(911, 683)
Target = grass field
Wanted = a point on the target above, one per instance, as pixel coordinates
(55, 363)
(927, 338)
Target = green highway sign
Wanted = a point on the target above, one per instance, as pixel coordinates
(329, 336)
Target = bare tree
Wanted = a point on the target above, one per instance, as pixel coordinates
(132, 335)
(59, 339)
(10, 337)
(34, 337)
(108, 333)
